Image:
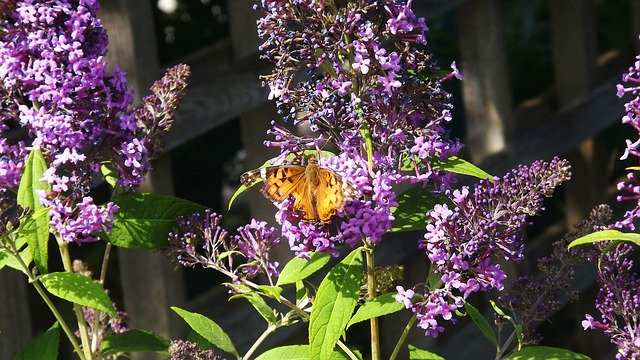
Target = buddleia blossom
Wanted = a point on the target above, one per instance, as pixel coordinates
(185, 350)
(618, 302)
(370, 92)
(55, 90)
(630, 189)
(533, 299)
(465, 238)
(198, 239)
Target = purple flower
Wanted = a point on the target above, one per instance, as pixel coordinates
(367, 84)
(630, 189)
(185, 350)
(618, 302)
(198, 239)
(54, 84)
(464, 242)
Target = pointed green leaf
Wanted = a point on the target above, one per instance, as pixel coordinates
(30, 185)
(208, 329)
(144, 220)
(299, 269)
(365, 132)
(6, 259)
(463, 167)
(197, 339)
(78, 289)
(419, 354)
(267, 163)
(334, 304)
(136, 340)
(296, 352)
(606, 235)
(109, 175)
(382, 305)
(259, 304)
(546, 353)
(481, 323)
(413, 206)
(44, 347)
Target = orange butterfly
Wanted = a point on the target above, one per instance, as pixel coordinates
(319, 192)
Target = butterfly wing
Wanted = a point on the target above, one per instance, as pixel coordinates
(279, 181)
(332, 193)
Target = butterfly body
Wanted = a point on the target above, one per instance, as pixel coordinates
(319, 193)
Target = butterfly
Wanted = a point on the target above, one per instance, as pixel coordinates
(319, 192)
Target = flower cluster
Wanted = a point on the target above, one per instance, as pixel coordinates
(618, 302)
(533, 299)
(631, 188)
(463, 243)
(185, 350)
(370, 92)
(198, 239)
(56, 91)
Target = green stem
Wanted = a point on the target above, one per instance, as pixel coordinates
(270, 329)
(43, 294)
(291, 306)
(403, 337)
(371, 294)
(82, 324)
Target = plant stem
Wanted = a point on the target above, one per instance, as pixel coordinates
(271, 328)
(371, 293)
(82, 325)
(290, 305)
(403, 337)
(43, 294)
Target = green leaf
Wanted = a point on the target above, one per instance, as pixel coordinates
(301, 290)
(267, 163)
(296, 352)
(273, 291)
(365, 132)
(144, 220)
(546, 353)
(109, 175)
(202, 343)
(259, 304)
(136, 340)
(208, 329)
(30, 185)
(419, 354)
(413, 206)
(382, 305)
(481, 323)
(606, 235)
(463, 167)
(44, 347)
(336, 299)
(6, 259)
(299, 269)
(78, 289)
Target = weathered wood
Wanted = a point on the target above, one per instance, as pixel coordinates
(433, 8)
(15, 321)
(487, 89)
(150, 284)
(574, 55)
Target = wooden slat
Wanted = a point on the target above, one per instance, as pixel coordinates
(15, 321)
(574, 47)
(149, 283)
(433, 8)
(486, 89)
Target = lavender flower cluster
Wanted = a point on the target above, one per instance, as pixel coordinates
(618, 302)
(464, 243)
(55, 90)
(366, 83)
(631, 188)
(199, 239)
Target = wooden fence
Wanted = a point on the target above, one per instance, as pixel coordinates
(565, 121)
